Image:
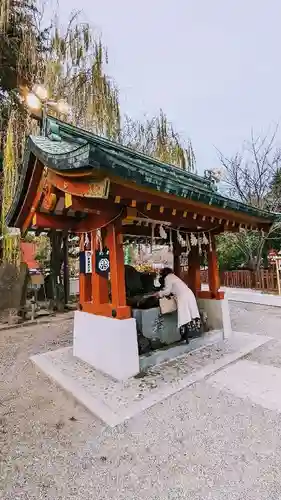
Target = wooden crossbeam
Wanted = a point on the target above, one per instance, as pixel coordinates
(170, 202)
(58, 222)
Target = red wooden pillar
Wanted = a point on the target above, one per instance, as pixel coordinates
(194, 278)
(213, 269)
(117, 271)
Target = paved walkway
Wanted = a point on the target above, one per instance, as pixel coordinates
(211, 441)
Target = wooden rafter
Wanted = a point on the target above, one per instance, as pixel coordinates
(32, 196)
(34, 206)
(128, 191)
(58, 222)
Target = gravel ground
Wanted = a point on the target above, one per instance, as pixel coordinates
(198, 444)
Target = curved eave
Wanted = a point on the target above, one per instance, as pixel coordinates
(165, 183)
(148, 172)
(80, 152)
(65, 157)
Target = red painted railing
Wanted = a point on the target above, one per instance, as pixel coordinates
(259, 280)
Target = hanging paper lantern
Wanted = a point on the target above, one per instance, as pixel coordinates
(102, 263)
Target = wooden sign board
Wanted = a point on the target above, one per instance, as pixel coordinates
(37, 279)
(88, 262)
(98, 189)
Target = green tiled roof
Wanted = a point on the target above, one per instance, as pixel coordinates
(67, 148)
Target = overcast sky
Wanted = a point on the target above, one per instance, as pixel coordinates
(213, 66)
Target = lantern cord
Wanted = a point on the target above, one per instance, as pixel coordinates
(102, 226)
(199, 231)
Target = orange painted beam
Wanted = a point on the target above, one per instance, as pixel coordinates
(128, 191)
(28, 221)
(35, 185)
(175, 220)
(88, 189)
(94, 205)
(107, 310)
(95, 221)
(47, 221)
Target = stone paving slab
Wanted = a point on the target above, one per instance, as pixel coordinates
(251, 380)
(114, 402)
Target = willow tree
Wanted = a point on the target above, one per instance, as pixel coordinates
(21, 46)
(158, 138)
(75, 69)
(69, 62)
(72, 64)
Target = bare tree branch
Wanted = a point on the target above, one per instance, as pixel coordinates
(250, 176)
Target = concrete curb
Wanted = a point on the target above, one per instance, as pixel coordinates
(51, 319)
(112, 418)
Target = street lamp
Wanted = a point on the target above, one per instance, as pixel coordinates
(38, 101)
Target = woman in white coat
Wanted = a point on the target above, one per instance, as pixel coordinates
(189, 321)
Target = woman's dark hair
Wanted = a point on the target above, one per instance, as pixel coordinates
(165, 271)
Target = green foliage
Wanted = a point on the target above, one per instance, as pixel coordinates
(253, 177)
(75, 69)
(230, 256)
(275, 189)
(71, 62)
(237, 250)
(242, 249)
(21, 43)
(129, 254)
(43, 252)
(43, 248)
(11, 251)
(157, 137)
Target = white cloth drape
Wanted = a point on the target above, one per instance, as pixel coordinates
(186, 301)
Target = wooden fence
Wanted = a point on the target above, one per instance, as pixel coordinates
(264, 279)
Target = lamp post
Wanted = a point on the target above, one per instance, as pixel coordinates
(38, 102)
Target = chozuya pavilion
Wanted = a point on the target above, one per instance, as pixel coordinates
(108, 194)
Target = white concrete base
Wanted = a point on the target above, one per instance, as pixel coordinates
(108, 345)
(114, 402)
(218, 315)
